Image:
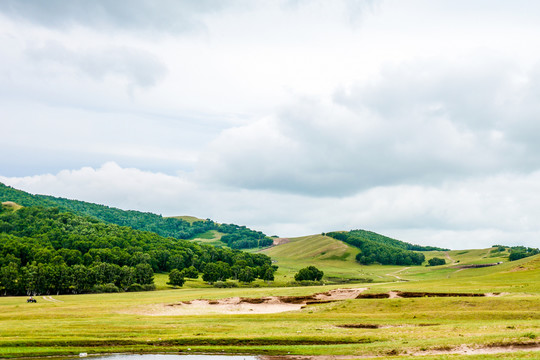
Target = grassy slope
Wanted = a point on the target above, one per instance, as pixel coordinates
(211, 237)
(189, 219)
(72, 325)
(11, 205)
(336, 259)
(108, 322)
(332, 256)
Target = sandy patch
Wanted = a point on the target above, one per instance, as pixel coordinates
(281, 241)
(484, 350)
(459, 350)
(241, 305)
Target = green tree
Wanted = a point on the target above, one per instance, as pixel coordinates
(268, 274)
(176, 278)
(9, 279)
(218, 271)
(246, 275)
(190, 272)
(144, 274)
(309, 273)
(211, 273)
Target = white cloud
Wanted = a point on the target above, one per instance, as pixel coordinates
(460, 214)
(412, 118)
(424, 123)
(139, 67)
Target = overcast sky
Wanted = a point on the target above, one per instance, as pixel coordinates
(415, 119)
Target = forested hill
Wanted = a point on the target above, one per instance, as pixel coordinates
(370, 235)
(44, 250)
(376, 248)
(237, 237)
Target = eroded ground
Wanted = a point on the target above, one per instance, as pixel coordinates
(245, 305)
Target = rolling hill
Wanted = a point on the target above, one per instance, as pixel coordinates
(239, 237)
(338, 254)
(338, 260)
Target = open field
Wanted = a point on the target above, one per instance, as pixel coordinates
(426, 327)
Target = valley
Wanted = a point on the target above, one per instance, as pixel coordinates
(477, 305)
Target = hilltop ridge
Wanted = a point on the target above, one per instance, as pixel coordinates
(238, 237)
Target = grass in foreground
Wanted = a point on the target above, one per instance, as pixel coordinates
(104, 323)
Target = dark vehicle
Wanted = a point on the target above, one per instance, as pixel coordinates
(31, 300)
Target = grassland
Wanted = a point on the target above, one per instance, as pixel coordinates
(418, 328)
(189, 219)
(211, 237)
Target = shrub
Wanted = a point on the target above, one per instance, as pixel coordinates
(105, 288)
(436, 261)
(225, 284)
(309, 273)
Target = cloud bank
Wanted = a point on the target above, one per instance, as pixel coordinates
(417, 120)
(459, 214)
(419, 124)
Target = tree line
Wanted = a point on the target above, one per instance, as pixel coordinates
(520, 252)
(81, 254)
(372, 250)
(381, 239)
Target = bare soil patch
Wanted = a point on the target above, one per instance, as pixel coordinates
(459, 350)
(481, 350)
(281, 241)
(245, 305)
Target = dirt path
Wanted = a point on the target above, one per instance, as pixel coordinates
(397, 272)
(51, 299)
(447, 256)
(453, 273)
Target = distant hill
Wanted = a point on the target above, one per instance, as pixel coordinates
(376, 248)
(236, 236)
(313, 248)
(335, 257)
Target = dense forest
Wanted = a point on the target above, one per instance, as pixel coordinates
(376, 248)
(381, 239)
(46, 251)
(237, 237)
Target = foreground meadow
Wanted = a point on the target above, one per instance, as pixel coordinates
(426, 327)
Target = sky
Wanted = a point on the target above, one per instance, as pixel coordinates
(415, 119)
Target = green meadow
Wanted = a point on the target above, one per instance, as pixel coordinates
(415, 328)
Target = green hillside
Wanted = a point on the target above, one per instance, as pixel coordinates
(476, 300)
(238, 237)
(334, 257)
(338, 261)
(45, 251)
(376, 248)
